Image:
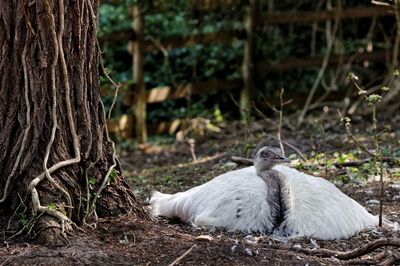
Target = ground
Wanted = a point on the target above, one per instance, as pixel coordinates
(169, 166)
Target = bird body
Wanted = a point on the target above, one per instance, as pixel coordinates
(248, 200)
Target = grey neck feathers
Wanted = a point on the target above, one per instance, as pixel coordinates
(262, 167)
(278, 195)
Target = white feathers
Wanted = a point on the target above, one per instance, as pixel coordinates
(237, 200)
(320, 209)
(233, 200)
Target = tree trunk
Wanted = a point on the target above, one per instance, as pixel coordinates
(55, 154)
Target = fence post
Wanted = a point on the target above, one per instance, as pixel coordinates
(248, 59)
(140, 99)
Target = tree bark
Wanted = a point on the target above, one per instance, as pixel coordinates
(55, 154)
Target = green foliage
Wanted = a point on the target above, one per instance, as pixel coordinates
(113, 177)
(52, 206)
(318, 162)
(92, 183)
(113, 18)
(373, 99)
(24, 219)
(248, 149)
(343, 178)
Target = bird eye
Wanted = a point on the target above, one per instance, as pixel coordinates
(266, 154)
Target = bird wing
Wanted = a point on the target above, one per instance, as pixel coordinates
(320, 209)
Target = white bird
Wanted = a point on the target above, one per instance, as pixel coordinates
(268, 198)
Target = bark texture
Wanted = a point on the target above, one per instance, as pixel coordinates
(50, 106)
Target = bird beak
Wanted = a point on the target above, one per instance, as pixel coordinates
(283, 159)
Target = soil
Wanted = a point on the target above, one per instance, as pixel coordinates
(169, 166)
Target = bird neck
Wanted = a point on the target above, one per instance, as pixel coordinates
(263, 167)
(277, 195)
(270, 176)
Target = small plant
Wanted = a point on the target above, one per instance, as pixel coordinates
(375, 166)
(52, 206)
(23, 219)
(92, 183)
(113, 177)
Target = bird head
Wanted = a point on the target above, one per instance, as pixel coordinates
(266, 157)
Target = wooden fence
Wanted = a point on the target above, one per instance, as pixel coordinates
(252, 18)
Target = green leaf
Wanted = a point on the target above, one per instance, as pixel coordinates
(52, 206)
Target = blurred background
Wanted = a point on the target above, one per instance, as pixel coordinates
(185, 66)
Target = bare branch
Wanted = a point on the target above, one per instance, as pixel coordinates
(175, 262)
(324, 65)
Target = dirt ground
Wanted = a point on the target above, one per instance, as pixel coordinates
(169, 166)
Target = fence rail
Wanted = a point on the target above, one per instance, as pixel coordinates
(161, 94)
(278, 18)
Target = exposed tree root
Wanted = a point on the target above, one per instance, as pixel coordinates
(50, 232)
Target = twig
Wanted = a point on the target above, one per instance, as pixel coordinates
(175, 262)
(4, 262)
(105, 181)
(293, 148)
(280, 121)
(264, 116)
(165, 53)
(279, 134)
(382, 196)
(117, 86)
(16, 211)
(323, 67)
(362, 146)
(192, 143)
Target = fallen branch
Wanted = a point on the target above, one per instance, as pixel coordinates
(372, 260)
(358, 162)
(391, 260)
(175, 262)
(348, 255)
(247, 161)
(242, 160)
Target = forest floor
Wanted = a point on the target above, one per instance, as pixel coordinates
(169, 166)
